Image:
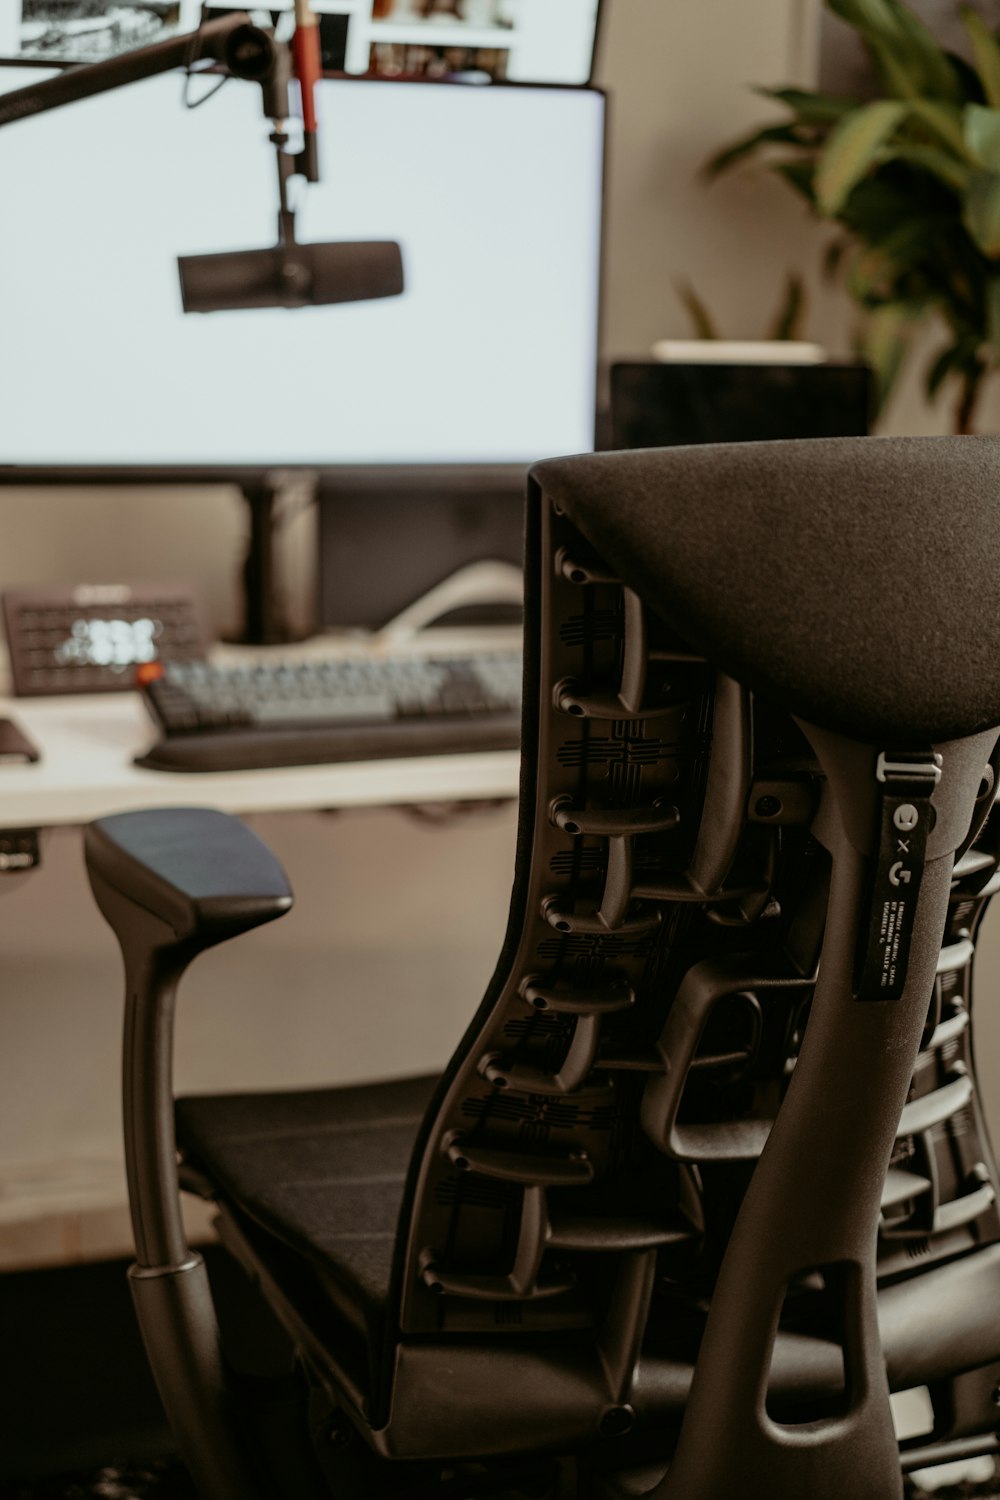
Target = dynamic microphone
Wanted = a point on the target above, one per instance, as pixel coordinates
(290, 274)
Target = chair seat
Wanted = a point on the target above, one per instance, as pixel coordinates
(322, 1170)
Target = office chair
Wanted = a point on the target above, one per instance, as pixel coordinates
(707, 1176)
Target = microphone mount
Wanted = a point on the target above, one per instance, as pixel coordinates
(244, 49)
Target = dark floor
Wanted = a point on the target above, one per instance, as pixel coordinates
(164, 1480)
(161, 1479)
(75, 1390)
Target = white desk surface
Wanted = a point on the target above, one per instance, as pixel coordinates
(88, 742)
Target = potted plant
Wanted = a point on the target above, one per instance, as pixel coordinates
(911, 179)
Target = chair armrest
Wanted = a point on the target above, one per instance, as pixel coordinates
(200, 872)
(170, 883)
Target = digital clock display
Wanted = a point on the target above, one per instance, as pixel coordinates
(93, 637)
(115, 644)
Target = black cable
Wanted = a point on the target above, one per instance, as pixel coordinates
(193, 54)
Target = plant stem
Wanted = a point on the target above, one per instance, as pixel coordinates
(966, 407)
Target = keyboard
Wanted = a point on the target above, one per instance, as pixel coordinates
(240, 718)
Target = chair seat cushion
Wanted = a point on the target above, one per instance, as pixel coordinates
(323, 1170)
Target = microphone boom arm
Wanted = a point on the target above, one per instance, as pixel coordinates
(246, 50)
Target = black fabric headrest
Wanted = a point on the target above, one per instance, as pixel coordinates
(853, 580)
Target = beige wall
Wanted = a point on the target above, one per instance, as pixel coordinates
(679, 73)
(681, 76)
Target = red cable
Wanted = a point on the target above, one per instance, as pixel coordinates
(307, 59)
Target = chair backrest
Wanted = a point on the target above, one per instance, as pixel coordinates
(710, 1157)
(750, 670)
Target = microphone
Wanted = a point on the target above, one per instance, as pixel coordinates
(289, 274)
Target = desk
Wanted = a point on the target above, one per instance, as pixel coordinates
(370, 887)
(86, 771)
(88, 743)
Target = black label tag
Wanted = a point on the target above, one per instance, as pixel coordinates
(902, 850)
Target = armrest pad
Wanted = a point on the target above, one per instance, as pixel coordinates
(201, 872)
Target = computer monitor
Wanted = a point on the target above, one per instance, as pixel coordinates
(448, 516)
(659, 405)
(489, 356)
(487, 359)
(524, 41)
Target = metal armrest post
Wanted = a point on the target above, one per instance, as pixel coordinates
(169, 1281)
(152, 975)
(208, 878)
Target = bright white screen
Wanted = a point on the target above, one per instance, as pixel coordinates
(489, 356)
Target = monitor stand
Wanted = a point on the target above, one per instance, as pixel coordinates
(269, 501)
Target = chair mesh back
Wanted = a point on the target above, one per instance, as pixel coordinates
(592, 1141)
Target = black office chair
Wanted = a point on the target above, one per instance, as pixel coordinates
(679, 1214)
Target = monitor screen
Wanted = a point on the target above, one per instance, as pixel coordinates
(524, 41)
(489, 356)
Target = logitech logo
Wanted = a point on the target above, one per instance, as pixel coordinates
(905, 819)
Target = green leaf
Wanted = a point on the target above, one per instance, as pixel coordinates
(788, 321)
(729, 155)
(866, 15)
(982, 212)
(914, 240)
(896, 80)
(812, 108)
(886, 341)
(852, 148)
(876, 273)
(986, 51)
(882, 201)
(871, 278)
(799, 175)
(903, 45)
(981, 127)
(946, 123)
(950, 359)
(701, 318)
(954, 174)
(939, 77)
(970, 84)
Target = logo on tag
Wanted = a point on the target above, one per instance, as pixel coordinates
(893, 901)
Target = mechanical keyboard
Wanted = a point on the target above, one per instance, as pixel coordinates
(235, 718)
